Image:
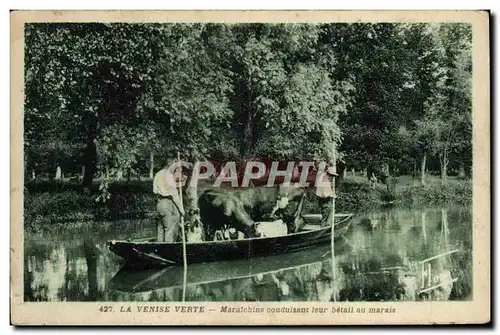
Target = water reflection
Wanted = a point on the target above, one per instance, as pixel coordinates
(389, 255)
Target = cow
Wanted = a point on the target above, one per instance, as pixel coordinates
(244, 208)
(221, 208)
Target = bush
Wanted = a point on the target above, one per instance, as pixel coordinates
(389, 193)
(58, 204)
(125, 205)
(353, 195)
(434, 194)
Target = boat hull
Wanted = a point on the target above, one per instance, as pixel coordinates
(133, 280)
(157, 254)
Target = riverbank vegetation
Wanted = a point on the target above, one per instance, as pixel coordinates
(107, 103)
(49, 204)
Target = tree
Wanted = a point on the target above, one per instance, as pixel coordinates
(187, 99)
(86, 78)
(447, 126)
(399, 75)
(285, 103)
(373, 58)
(423, 72)
(243, 91)
(116, 96)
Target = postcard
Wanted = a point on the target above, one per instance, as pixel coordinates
(250, 167)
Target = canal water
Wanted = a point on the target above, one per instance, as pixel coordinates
(388, 255)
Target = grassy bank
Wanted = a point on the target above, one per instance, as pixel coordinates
(356, 194)
(49, 204)
(57, 204)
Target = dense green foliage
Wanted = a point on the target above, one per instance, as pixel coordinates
(412, 93)
(108, 102)
(111, 96)
(118, 98)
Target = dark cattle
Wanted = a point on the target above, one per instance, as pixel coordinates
(263, 202)
(222, 208)
(241, 208)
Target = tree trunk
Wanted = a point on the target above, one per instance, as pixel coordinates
(191, 207)
(345, 173)
(422, 169)
(247, 144)
(151, 165)
(424, 226)
(461, 170)
(58, 173)
(353, 172)
(90, 161)
(444, 226)
(191, 197)
(443, 160)
(414, 172)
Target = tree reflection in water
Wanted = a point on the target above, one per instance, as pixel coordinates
(379, 262)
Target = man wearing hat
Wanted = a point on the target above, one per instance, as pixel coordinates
(325, 193)
(169, 204)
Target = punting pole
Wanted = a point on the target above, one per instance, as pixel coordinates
(332, 215)
(184, 256)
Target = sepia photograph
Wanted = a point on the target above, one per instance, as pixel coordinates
(166, 166)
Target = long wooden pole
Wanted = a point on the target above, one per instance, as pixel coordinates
(332, 215)
(184, 254)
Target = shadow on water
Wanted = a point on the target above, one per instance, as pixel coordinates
(390, 255)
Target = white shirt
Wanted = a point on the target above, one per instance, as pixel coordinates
(164, 184)
(324, 188)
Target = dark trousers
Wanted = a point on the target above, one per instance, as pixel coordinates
(168, 225)
(325, 207)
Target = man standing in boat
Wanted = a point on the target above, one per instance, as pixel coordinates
(169, 203)
(325, 193)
